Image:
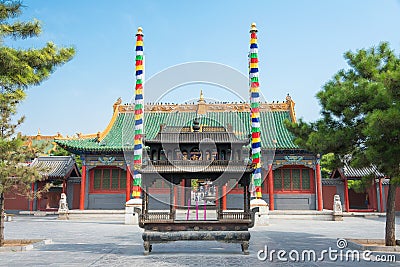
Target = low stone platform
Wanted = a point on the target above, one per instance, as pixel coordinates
(152, 237)
(103, 215)
(118, 215)
(15, 245)
(85, 215)
(325, 215)
(372, 245)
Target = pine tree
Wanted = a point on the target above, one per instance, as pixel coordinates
(361, 118)
(20, 69)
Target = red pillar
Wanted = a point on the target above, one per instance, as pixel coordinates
(271, 187)
(319, 186)
(128, 183)
(224, 197)
(374, 201)
(64, 186)
(83, 186)
(175, 196)
(38, 184)
(380, 195)
(183, 193)
(33, 194)
(346, 195)
(217, 193)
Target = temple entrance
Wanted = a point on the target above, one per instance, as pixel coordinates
(201, 202)
(183, 198)
(203, 192)
(358, 201)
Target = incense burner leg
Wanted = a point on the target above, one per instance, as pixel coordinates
(245, 247)
(147, 247)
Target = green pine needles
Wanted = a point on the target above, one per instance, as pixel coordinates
(20, 69)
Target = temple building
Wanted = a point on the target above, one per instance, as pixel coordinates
(156, 146)
(61, 172)
(144, 137)
(373, 198)
(290, 175)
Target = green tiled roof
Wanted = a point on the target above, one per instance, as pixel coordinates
(45, 145)
(120, 136)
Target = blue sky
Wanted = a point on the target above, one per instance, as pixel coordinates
(301, 46)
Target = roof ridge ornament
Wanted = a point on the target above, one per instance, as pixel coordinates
(291, 104)
(196, 125)
(201, 96)
(117, 103)
(201, 106)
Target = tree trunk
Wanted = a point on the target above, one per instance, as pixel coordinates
(390, 237)
(2, 219)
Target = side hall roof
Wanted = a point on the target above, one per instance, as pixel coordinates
(57, 167)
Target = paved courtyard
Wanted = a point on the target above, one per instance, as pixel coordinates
(103, 243)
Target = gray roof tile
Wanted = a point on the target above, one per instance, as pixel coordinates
(55, 166)
(349, 171)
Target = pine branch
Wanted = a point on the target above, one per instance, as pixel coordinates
(23, 68)
(21, 30)
(9, 9)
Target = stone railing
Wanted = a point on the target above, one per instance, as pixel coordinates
(200, 162)
(234, 215)
(156, 216)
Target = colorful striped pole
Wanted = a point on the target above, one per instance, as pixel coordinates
(255, 112)
(138, 142)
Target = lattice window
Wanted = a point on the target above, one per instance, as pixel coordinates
(286, 179)
(114, 179)
(97, 179)
(108, 179)
(122, 179)
(306, 179)
(293, 179)
(277, 180)
(296, 179)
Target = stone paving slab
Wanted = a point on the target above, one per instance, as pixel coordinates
(105, 243)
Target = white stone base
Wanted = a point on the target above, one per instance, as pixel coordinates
(131, 217)
(262, 216)
(63, 216)
(337, 216)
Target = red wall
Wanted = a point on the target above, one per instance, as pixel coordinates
(386, 188)
(77, 196)
(357, 200)
(328, 192)
(373, 200)
(15, 202)
(18, 202)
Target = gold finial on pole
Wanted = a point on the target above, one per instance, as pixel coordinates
(139, 31)
(253, 27)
